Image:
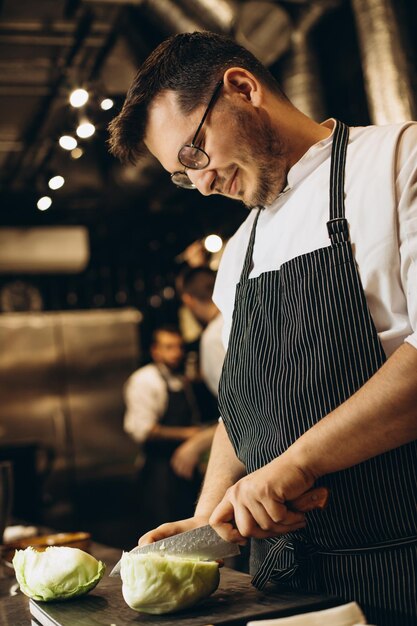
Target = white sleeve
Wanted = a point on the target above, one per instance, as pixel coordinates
(406, 189)
(146, 400)
(212, 355)
(228, 274)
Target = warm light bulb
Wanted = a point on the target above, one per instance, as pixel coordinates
(213, 243)
(77, 153)
(106, 104)
(78, 98)
(44, 203)
(56, 182)
(67, 142)
(85, 130)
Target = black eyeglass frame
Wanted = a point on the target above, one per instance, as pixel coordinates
(192, 145)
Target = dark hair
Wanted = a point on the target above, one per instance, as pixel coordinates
(198, 282)
(165, 328)
(189, 64)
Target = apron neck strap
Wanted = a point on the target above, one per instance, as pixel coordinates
(247, 265)
(337, 226)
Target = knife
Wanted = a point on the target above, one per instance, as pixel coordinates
(205, 543)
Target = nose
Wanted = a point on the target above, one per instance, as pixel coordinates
(203, 180)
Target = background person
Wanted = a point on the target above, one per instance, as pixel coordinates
(161, 413)
(318, 291)
(196, 286)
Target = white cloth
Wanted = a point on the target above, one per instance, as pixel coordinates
(344, 615)
(381, 209)
(146, 398)
(212, 353)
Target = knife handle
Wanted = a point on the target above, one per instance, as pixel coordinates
(316, 498)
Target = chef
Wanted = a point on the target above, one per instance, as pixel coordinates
(318, 290)
(161, 414)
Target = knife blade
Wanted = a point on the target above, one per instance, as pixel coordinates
(199, 543)
(205, 543)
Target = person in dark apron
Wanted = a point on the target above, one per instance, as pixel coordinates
(303, 390)
(167, 495)
(159, 393)
(362, 547)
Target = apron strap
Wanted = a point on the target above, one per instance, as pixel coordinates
(298, 554)
(337, 225)
(247, 265)
(269, 564)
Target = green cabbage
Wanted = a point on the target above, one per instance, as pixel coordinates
(154, 583)
(58, 573)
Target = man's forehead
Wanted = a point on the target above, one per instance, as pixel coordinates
(167, 128)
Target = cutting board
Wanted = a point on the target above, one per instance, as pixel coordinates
(234, 603)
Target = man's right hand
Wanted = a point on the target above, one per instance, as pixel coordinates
(172, 528)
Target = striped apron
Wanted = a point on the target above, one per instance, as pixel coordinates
(302, 342)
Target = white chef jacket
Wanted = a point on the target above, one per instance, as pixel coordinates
(381, 210)
(146, 398)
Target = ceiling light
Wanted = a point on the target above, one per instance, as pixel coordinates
(213, 243)
(77, 153)
(44, 203)
(106, 104)
(67, 142)
(78, 98)
(56, 182)
(85, 129)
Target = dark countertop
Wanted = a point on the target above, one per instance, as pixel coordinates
(235, 602)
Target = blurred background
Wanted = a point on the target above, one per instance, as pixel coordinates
(90, 250)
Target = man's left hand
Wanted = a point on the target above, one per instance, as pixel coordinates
(256, 506)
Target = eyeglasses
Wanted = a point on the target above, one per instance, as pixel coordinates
(191, 156)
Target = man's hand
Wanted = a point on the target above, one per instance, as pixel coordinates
(255, 506)
(172, 528)
(185, 458)
(188, 454)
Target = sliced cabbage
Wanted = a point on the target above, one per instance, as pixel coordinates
(155, 583)
(58, 573)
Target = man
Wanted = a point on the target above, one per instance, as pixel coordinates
(318, 290)
(196, 286)
(161, 414)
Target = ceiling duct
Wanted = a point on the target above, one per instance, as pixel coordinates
(300, 76)
(260, 26)
(384, 61)
(171, 17)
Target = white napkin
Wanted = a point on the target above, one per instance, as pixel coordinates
(344, 615)
(13, 533)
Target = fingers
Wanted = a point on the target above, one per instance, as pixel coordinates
(167, 530)
(235, 522)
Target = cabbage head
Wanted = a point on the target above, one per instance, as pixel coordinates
(58, 573)
(157, 583)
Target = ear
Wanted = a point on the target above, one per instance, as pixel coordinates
(187, 299)
(238, 81)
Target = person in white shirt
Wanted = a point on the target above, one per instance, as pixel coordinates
(318, 290)
(196, 286)
(161, 414)
(196, 290)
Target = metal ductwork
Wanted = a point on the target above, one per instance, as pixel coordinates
(166, 14)
(215, 15)
(387, 75)
(262, 27)
(300, 76)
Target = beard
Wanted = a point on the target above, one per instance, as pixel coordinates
(262, 150)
